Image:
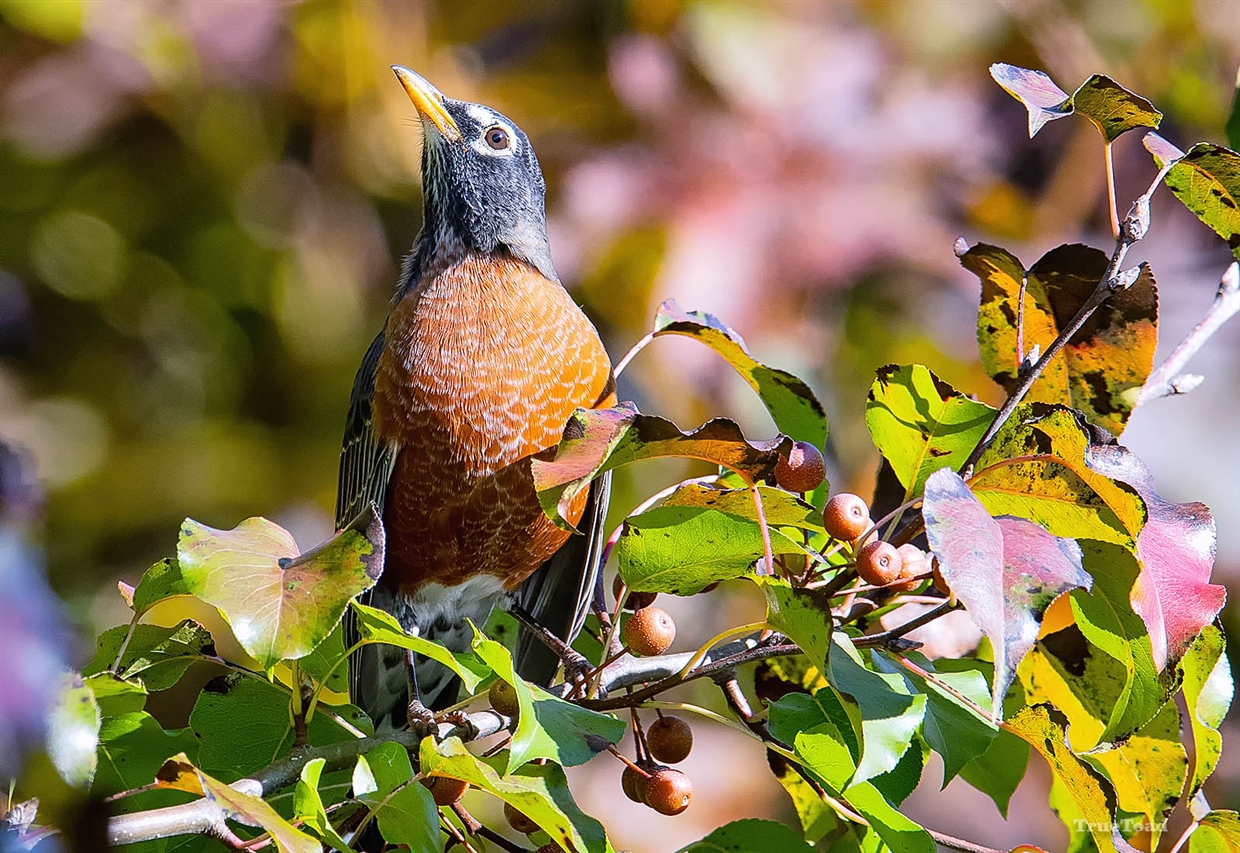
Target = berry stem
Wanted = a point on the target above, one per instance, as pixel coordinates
(766, 533)
(624, 758)
(719, 638)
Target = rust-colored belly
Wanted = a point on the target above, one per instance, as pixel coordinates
(482, 367)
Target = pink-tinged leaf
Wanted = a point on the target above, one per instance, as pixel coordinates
(1176, 548)
(598, 440)
(791, 403)
(1006, 571)
(1038, 92)
(1164, 152)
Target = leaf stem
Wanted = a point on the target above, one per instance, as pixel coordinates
(704, 650)
(628, 356)
(766, 533)
(1112, 205)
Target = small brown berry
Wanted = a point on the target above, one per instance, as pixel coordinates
(636, 600)
(669, 791)
(879, 563)
(503, 698)
(649, 631)
(803, 470)
(845, 517)
(518, 821)
(914, 562)
(670, 739)
(445, 791)
(634, 785)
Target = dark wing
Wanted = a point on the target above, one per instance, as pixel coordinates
(365, 467)
(558, 594)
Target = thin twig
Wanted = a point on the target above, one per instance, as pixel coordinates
(959, 843)
(1167, 379)
(887, 637)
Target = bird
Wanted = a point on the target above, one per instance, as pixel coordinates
(482, 360)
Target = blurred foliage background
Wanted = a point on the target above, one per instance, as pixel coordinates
(204, 205)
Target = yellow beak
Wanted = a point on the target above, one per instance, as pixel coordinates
(429, 102)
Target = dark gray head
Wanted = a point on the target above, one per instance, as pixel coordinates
(481, 181)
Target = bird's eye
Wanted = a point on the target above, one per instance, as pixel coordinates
(497, 138)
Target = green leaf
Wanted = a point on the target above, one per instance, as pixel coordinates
(1106, 618)
(73, 723)
(308, 805)
(780, 508)
(245, 724)
(683, 549)
(406, 811)
(132, 747)
(156, 654)
(161, 581)
(1208, 691)
(952, 729)
(548, 727)
(1112, 108)
(1053, 484)
(890, 713)
(792, 404)
(1207, 181)
(1043, 728)
(802, 614)
(280, 605)
(328, 660)
(999, 770)
(1218, 832)
(540, 792)
(817, 818)
(900, 781)
(750, 835)
(1103, 368)
(899, 833)
(114, 695)
(598, 440)
(821, 735)
(379, 626)
(920, 424)
(1232, 127)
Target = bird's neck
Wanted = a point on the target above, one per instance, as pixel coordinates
(440, 246)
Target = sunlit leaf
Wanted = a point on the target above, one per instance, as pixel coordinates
(598, 440)
(821, 734)
(1232, 129)
(539, 791)
(750, 835)
(328, 661)
(548, 727)
(1148, 770)
(898, 783)
(1038, 469)
(157, 655)
(899, 832)
(1112, 108)
(379, 626)
(1006, 571)
(73, 722)
(280, 604)
(406, 812)
(1043, 728)
(1207, 181)
(308, 805)
(1176, 547)
(817, 818)
(801, 614)
(1038, 92)
(952, 729)
(1164, 152)
(999, 770)
(1105, 364)
(683, 549)
(890, 713)
(132, 747)
(920, 423)
(1208, 691)
(792, 404)
(246, 808)
(779, 508)
(1217, 832)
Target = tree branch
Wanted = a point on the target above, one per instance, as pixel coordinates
(1167, 379)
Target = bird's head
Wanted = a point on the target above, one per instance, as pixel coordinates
(481, 182)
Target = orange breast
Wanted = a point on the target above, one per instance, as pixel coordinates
(482, 367)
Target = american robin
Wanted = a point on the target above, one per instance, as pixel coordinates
(483, 359)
